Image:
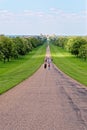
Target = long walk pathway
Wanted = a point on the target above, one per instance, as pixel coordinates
(48, 100)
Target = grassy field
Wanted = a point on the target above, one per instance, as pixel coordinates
(15, 71)
(69, 64)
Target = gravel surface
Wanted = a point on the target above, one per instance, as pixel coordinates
(48, 100)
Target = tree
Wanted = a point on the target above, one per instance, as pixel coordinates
(74, 44)
(13, 47)
(21, 45)
(83, 52)
(6, 48)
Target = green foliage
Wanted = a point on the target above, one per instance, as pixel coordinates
(22, 45)
(15, 71)
(17, 46)
(6, 48)
(69, 64)
(83, 51)
(59, 41)
(73, 44)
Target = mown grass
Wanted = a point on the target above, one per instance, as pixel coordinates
(15, 71)
(69, 64)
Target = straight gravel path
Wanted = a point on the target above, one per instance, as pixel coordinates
(48, 100)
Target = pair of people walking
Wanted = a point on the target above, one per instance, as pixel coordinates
(47, 63)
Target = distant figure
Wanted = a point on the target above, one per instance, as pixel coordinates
(45, 65)
(48, 66)
(49, 60)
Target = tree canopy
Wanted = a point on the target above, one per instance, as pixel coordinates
(16, 46)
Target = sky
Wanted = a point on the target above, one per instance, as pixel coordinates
(48, 17)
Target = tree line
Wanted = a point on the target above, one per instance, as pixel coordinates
(76, 45)
(13, 47)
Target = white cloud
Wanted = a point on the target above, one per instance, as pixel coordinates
(55, 20)
(55, 14)
(6, 16)
(33, 13)
(28, 13)
(68, 15)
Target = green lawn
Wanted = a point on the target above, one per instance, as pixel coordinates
(15, 71)
(69, 64)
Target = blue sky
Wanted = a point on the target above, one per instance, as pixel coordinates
(33, 17)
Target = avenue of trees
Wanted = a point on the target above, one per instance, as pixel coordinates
(13, 47)
(75, 45)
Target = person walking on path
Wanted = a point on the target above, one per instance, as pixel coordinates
(49, 62)
(45, 63)
(48, 66)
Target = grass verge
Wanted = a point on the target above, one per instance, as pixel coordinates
(15, 71)
(69, 64)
